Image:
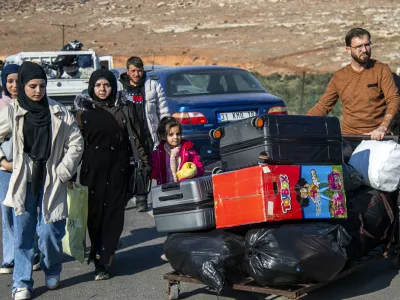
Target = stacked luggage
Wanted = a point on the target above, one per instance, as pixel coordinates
(284, 204)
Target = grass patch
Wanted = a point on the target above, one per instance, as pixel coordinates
(290, 89)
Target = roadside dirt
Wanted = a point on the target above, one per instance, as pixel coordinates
(266, 36)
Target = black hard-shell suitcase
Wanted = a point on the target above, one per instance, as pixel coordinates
(285, 139)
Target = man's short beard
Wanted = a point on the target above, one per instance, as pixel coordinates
(360, 61)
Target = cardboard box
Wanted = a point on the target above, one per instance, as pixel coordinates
(277, 193)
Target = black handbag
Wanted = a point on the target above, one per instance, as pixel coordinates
(139, 182)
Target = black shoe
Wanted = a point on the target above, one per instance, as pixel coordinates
(7, 268)
(36, 263)
(142, 206)
(101, 273)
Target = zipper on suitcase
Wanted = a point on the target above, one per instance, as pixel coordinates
(183, 207)
(270, 140)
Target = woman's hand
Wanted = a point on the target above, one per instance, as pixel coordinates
(8, 166)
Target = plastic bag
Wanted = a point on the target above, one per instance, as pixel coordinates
(215, 258)
(296, 253)
(74, 241)
(352, 179)
(378, 162)
(370, 219)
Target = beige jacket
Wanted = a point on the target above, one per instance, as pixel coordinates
(66, 152)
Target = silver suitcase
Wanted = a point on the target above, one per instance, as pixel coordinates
(184, 206)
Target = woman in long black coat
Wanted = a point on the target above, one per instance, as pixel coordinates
(105, 165)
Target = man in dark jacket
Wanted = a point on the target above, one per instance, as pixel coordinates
(151, 106)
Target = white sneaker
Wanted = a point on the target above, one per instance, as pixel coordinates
(21, 294)
(52, 282)
(7, 268)
(36, 263)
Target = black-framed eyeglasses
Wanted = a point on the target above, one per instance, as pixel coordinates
(360, 47)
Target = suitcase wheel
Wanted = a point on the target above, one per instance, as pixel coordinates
(173, 290)
(216, 133)
(210, 133)
(257, 122)
(216, 170)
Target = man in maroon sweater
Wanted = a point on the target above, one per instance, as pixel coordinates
(366, 88)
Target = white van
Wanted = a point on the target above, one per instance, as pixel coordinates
(65, 81)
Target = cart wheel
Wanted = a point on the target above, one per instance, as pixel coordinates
(173, 291)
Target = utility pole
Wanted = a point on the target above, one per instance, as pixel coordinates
(302, 93)
(63, 26)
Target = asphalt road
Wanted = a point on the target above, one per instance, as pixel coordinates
(137, 273)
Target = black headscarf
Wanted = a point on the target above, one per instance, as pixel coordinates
(103, 73)
(37, 123)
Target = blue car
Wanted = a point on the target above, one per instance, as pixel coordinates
(202, 98)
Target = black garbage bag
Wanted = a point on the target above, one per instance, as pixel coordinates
(370, 220)
(215, 258)
(352, 179)
(296, 253)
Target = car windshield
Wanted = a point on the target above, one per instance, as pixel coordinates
(191, 83)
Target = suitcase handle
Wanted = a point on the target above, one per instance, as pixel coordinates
(367, 137)
(170, 186)
(171, 197)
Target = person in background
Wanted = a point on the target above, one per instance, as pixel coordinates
(106, 163)
(149, 99)
(366, 88)
(47, 147)
(9, 82)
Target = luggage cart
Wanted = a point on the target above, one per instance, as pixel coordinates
(249, 285)
(298, 291)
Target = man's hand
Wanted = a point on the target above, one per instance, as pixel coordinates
(377, 134)
(8, 166)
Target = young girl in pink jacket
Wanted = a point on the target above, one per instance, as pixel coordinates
(174, 158)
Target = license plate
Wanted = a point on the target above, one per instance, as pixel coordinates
(235, 116)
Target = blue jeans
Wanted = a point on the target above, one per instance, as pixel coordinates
(7, 220)
(50, 245)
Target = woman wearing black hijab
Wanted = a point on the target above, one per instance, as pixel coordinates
(47, 147)
(105, 164)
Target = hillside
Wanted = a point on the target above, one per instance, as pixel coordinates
(264, 36)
